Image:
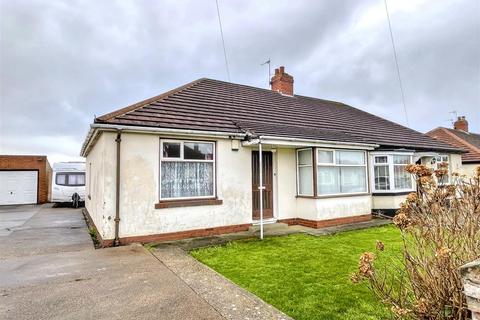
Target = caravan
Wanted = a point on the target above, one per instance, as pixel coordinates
(68, 182)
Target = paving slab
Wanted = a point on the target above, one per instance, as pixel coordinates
(231, 301)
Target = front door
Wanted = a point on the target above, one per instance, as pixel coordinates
(267, 171)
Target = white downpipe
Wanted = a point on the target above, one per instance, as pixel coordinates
(260, 186)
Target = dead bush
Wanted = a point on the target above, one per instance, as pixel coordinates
(440, 229)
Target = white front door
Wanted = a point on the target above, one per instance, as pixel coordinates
(18, 187)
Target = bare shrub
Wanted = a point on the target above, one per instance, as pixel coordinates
(440, 229)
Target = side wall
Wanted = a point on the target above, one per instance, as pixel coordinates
(100, 184)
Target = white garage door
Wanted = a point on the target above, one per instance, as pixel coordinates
(18, 187)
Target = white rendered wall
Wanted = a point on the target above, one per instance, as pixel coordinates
(469, 169)
(333, 208)
(140, 190)
(100, 182)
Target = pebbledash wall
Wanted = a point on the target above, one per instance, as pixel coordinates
(139, 192)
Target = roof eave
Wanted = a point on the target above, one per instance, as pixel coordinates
(96, 128)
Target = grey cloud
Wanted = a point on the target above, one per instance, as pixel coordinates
(64, 61)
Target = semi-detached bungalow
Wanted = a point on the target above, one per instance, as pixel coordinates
(186, 163)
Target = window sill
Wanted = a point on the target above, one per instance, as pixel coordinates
(391, 193)
(187, 203)
(335, 195)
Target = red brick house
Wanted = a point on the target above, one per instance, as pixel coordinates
(461, 137)
(24, 179)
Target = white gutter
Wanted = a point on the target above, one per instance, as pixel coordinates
(285, 141)
(141, 129)
(96, 127)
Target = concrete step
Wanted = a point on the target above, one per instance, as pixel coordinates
(269, 227)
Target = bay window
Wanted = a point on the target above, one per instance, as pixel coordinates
(389, 173)
(187, 169)
(336, 172)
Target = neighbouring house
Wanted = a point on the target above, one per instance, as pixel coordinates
(24, 179)
(186, 163)
(460, 137)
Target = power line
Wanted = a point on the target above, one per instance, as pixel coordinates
(396, 63)
(223, 42)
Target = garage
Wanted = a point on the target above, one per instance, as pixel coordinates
(24, 179)
(18, 187)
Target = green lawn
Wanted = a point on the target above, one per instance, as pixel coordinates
(304, 276)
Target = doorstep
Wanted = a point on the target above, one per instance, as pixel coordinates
(265, 221)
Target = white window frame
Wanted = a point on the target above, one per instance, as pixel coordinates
(312, 150)
(436, 167)
(334, 164)
(391, 171)
(181, 159)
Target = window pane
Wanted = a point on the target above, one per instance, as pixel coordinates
(61, 179)
(198, 151)
(443, 180)
(444, 158)
(401, 159)
(382, 178)
(305, 180)
(382, 159)
(81, 179)
(171, 150)
(353, 179)
(350, 157)
(76, 179)
(328, 180)
(305, 157)
(186, 179)
(324, 156)
(403, 180)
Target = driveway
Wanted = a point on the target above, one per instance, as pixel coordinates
(50, 270)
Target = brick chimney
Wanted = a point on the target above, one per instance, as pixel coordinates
(461, 124)
(282, 82)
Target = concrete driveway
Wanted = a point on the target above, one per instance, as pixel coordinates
(50, 270)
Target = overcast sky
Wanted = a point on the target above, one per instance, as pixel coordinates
(62, 62)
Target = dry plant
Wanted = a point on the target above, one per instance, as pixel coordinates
(440, 229)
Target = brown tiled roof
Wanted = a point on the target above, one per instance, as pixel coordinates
(212, 105)
(468, 141)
